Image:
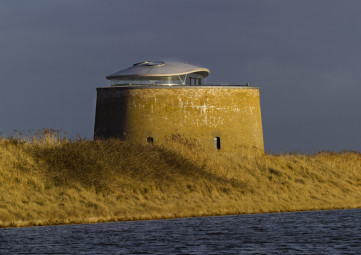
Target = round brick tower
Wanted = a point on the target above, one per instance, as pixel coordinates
(152, 100)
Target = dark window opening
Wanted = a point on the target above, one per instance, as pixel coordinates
(217, 143)
(195, 81)
(150, 139)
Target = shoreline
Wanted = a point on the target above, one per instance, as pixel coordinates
(114, 220)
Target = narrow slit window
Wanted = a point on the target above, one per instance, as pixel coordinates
(217, 143)
(150, 139)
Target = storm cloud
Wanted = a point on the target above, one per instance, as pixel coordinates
(304, 55)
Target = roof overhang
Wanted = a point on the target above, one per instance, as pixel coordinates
(159, 69)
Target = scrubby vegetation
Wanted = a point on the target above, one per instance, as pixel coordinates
(49, 180)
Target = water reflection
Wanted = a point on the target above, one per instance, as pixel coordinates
(319, 232)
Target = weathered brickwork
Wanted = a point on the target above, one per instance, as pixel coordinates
(231, 113)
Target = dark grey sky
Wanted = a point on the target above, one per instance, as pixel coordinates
(304, 55)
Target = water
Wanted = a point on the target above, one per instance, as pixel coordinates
(318, 232)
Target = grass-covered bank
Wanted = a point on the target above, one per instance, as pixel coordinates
(53, 181)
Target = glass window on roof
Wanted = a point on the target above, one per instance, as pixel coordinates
(194, 81)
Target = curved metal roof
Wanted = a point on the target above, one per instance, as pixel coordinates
(159, 68)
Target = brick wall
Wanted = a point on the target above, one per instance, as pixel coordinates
(231, 113)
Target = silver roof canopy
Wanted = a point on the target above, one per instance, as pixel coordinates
(159, 69)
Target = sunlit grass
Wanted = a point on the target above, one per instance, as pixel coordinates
(47, 179)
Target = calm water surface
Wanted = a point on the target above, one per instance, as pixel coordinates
(319, 232)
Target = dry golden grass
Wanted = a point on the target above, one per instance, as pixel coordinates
(49, 180)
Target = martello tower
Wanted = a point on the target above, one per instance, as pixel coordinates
(152, 100)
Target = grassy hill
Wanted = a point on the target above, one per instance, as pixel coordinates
(50, 180)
